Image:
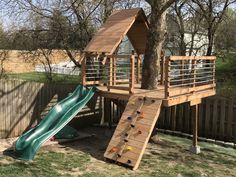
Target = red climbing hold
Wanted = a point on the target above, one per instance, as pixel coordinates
(114, 149)
(139, 132)
(141, 115)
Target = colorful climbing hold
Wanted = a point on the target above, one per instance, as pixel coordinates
(132, 103)
(141, 115)
(129, 161)
(129, 148)
(129, 118)
(139, 132)
(114, 149)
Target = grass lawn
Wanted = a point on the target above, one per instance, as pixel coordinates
(42, 77)
(168, 158)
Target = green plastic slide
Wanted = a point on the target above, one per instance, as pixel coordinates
(61, 114)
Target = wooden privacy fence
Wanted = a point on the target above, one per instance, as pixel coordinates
(217, 117)
(23, 104)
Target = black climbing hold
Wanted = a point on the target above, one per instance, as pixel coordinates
(126, 134)
(144, 99)
(153, 101)
(118, 155)
(132, 125)
(129, 161)
(138, 112)
(126, 140)
(129, 118)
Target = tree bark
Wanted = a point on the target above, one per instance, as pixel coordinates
(155, 38)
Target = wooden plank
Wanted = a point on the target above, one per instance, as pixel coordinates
(138, 69)
(222, 119)
(195, 101)
(187, 98)
(195, 124)
(187, 117)
(215, 118)
(180, 118)
(173, 118)
(183, 90)
(230, 120)
(136, 136)
(132, 74)
(207, 118)
(192, 58)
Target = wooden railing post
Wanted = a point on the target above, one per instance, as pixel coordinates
(138, 69)
(167, 77)
(83, 71)
(194, 73)
(132, 74)
(162, 69)
(213, 71)
(114, 70)
(110, 74)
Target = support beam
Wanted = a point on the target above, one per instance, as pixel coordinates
(195, 148)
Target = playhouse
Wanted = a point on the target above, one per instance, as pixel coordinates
(117, 76)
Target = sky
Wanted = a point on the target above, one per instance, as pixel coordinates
(9, 22)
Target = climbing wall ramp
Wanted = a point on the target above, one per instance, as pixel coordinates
(133, 131)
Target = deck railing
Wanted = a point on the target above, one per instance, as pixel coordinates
(179, 74)
(188, 74)
(120, 72)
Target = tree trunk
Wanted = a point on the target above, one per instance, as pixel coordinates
(156, 37)
(210, 43)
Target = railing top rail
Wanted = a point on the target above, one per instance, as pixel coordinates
(192, 58)
(110, 56)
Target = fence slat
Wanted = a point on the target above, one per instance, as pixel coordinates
(230, 119)
(222, 119)
(214, 118)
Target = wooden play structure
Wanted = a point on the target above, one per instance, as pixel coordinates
(118, 75)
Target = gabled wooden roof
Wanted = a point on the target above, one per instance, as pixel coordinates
(130, 22)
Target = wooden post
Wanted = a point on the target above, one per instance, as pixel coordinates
(195, 148)
(132, 74)
(114, 70)
(110, 74)
(167, 77)
(213, 72)
(83, 70)
(195, 124)
(162, 68)
(138, 69)
(194, 74)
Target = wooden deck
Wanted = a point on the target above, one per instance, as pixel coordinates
(178, 95)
